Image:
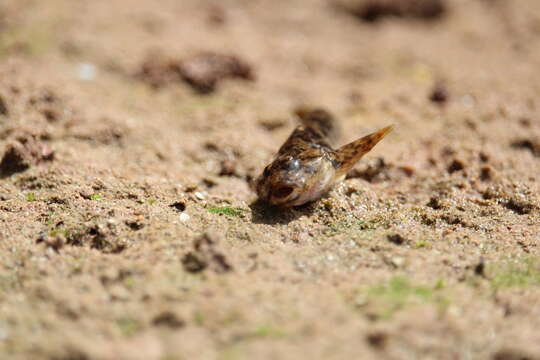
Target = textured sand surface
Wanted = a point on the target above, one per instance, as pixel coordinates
(128, 229)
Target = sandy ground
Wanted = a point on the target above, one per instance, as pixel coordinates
(128, 229)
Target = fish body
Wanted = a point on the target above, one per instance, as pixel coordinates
(306, 166)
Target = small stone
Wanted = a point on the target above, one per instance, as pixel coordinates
(3, 333)
(468, 101)
(199, 195)
(397, 261)
(360, 300)
(184, 217)
(5, 197)
(86, 71)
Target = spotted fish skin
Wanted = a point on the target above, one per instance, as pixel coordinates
(306, 166)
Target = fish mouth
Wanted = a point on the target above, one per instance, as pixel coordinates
(289, 202)
(282, 192)
(285, 202)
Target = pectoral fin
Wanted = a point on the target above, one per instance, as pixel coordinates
(348, 155)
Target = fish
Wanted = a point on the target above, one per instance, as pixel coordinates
(306, 166)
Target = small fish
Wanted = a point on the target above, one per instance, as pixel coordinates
(306, 166)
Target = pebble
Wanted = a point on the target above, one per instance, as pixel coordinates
(3, 333)
(397, 261)
(184, 217)
(199, 195)
(86, 71)
(5, 197)
(360, 300)
(468, 101)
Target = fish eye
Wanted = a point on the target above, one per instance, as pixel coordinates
(293, 164)
(282, 192)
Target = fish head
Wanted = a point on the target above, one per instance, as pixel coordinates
(295, 180)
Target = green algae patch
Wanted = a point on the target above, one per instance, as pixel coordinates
(95, 197)
(384, 300)
(522, 274)
(226, 210)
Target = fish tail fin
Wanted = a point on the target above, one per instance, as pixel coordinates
(348, 155)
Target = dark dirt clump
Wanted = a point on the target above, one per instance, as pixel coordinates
(202, 72)
(3, 107)
(380, 170)
(216, 15)
(23, 152)
(193, 263)
(486, 173)
(55, 242)
(168, 319)
(480, 268)
(512, 354)
(159, 72)
(227, 168)
(439, 94)
(272, 124)
(435, 203)
(178, 206)
(374, 10)
(396, 239)
(520, 207)
(102, 237)
(105, 133)
(377, 339)
(455, 165)
(135, 225)
(205, 255)
(533, 145)
(51, 115)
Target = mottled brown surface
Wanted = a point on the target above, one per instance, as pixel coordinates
(21, 152)
(430, 249)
